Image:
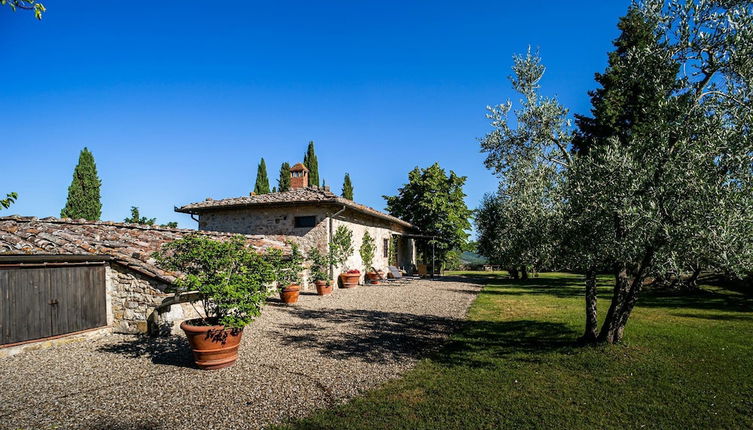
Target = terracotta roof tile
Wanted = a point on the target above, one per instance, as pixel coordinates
(309, 195)
(131, 245)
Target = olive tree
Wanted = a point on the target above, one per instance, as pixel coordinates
(678, 188)
(528, 149)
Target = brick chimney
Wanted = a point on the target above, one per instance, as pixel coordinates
(299, 176)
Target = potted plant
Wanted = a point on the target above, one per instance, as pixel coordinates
(230, 281)
(288, 274)
(319, 273)
(367, 250)
(341, 248)
(350, 278)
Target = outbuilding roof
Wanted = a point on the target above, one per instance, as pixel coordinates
(131, 245)
(309, 195)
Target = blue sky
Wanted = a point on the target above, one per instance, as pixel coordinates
(178, 101)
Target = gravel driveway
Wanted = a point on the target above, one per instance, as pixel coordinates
(318, 352)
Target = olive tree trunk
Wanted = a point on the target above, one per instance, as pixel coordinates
(590, 334)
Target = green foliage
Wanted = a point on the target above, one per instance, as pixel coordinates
(347, 187)
(84, 192)
(283, 183)
(433, 202)
(136, 218)
(392, 252)
(9, 199)
(34, 5)
(319, 265)
(288, 268)
(341, 246)
(624, 104)
(231, 279)
(518, 225)
(367, 251)
(262, 181)
(311, 162)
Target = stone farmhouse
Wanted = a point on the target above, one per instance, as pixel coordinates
(309, 215)
(73, 278)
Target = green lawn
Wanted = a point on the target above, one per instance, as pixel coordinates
(687, 362)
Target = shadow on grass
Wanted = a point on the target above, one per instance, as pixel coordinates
(479, 342)
(172, 351)
(701, 299)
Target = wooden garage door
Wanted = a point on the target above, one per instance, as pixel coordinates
(38, 302)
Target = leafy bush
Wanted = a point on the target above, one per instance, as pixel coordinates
(288, 268)
(319, 265)
(367, 251)
(231, 279)
(341, 246)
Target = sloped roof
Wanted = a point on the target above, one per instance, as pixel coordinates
(298, 166)
(131, 245)
(309, 195)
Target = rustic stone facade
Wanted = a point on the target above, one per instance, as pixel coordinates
(280, 223)
(132, 300)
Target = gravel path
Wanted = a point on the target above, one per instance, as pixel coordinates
(321, 351)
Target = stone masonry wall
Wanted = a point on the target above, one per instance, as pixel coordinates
(279, 222)
(132, 298)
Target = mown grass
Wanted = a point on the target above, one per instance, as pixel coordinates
(686, 362)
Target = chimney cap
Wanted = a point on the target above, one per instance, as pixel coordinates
(299, 167)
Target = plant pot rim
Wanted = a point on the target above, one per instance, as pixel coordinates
(188, 326)
(290, 288)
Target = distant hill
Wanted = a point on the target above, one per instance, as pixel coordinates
(471, 258)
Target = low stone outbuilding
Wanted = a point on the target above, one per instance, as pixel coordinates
(61, 277)
(309, 215)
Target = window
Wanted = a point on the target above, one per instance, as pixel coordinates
(386, 248)
(304, 221)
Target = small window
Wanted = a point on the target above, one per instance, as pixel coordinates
(386, 248)
(304, 221)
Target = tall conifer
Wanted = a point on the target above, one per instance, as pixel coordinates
(283, 184)
(262, 181)
(347, 187)
(83, 193)
(310, 161)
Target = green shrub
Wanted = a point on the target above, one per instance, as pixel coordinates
(231, 279)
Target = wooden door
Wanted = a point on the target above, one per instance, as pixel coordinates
(39, 302)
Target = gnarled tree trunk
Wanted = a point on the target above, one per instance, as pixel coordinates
(524, 272)
(590, 334)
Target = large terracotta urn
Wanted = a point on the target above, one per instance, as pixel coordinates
(214, 346)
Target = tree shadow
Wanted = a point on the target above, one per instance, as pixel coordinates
(700, 299)
(172, 350)
(368, 335)
(479, 342)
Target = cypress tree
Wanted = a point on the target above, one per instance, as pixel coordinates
(262, 181)
(283, 184)
(83, 193)
(624, 103)
(311, 163)
(347, 187)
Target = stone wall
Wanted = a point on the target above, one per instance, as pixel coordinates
(132, 299)
(279, 222)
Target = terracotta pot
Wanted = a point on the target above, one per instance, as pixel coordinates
(322, 288)
(214, 346)
(290, 294)
(373, 278)
(350, 280)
